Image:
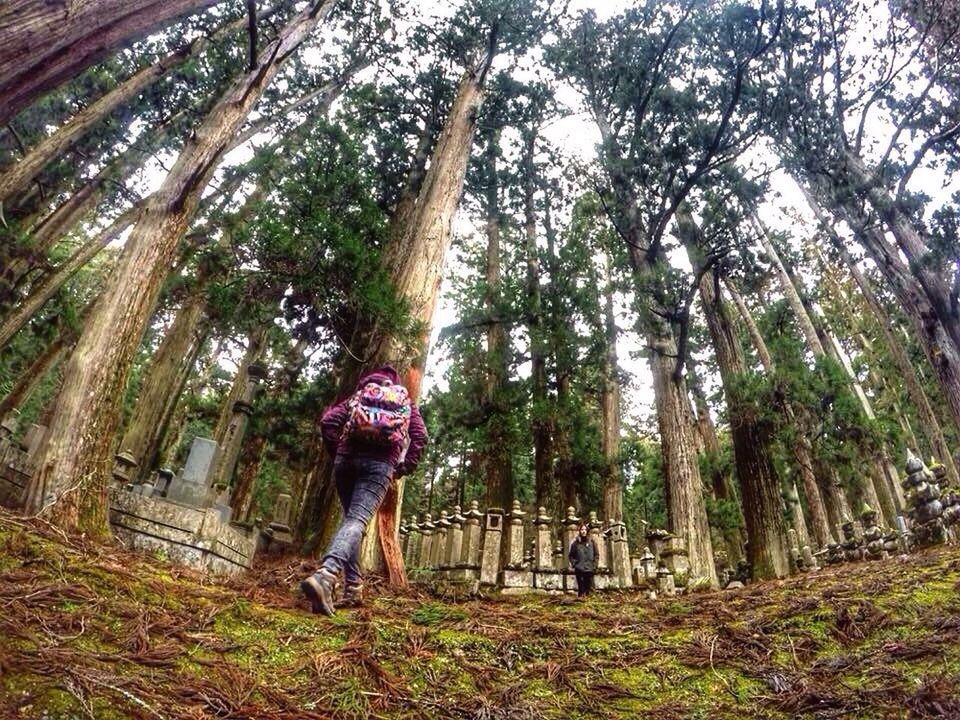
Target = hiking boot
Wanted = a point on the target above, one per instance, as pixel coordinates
(352, 596)
(318, 589)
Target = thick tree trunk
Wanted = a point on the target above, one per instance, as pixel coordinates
(19, 176)
(686, 509)
(722, 483)
(416, 258)
(49, 286)
(612, 484)
(540, 408)
(802, 451)
(768, 550)
(74, 463)
(497, 455)
(47, 43)
(169, 369)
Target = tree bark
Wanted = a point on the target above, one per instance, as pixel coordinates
(232, 422)
(722, 483)
(75, 460)
(18, 177)
(46, 44)
(686, 509)
(802, 450)
(768, 550)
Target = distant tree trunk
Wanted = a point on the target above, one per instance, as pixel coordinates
(18, 177)
(612, 483)
(232, 422)
(540, 409)
(837, 504)
(32, 376)
(251, 460)
(790, 292)
(552, 490)
(169, 369)
(931, 333)
(911, 244)
(767, 548)
(49, 286)
(74, 462)
(47, 43)
(802, 450)
(898, 353)
(879, 484)
(497, 455)
(172, 437)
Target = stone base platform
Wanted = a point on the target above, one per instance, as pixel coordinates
(13, 486)
(192, 536)
(516, 579)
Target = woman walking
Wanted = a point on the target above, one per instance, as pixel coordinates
(375, 435)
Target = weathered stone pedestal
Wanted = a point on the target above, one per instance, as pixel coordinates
(278, 534)
(181, 533)
(490, 553)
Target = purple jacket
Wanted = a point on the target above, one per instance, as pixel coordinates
(335, 416)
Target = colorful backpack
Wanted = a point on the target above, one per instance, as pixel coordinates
(379, 414)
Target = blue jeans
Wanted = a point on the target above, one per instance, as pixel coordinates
(362, 485)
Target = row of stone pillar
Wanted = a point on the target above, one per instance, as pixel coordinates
(491, 547)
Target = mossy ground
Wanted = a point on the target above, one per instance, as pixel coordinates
(89, 631)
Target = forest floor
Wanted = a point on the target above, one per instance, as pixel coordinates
(88, 631)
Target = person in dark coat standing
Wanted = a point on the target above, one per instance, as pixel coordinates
(584, 556)
(371, 445)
